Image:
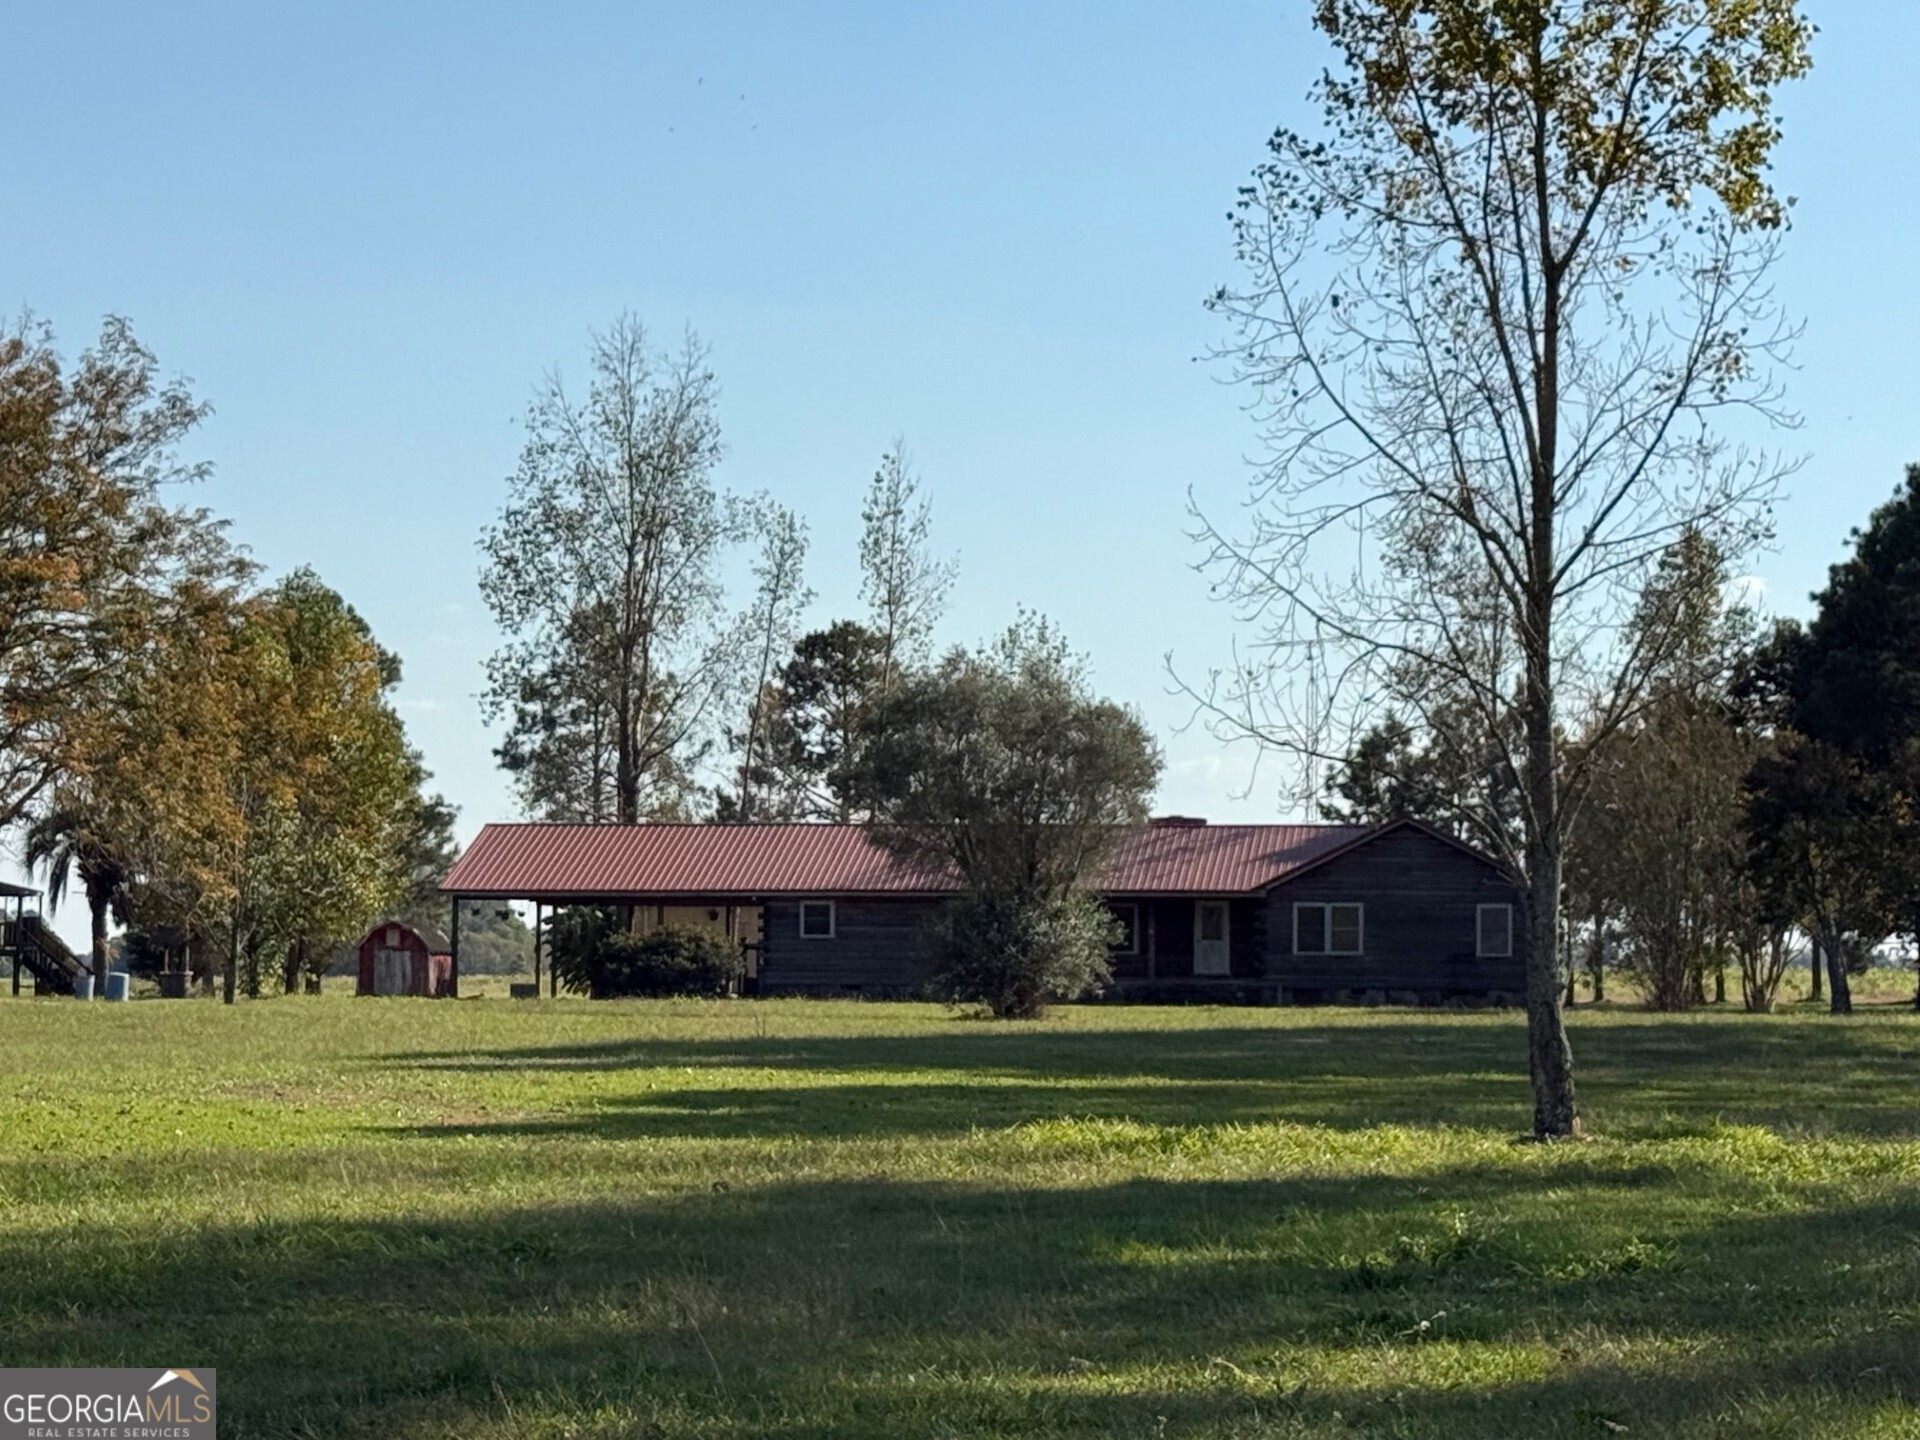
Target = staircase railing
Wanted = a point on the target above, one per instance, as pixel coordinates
(45, 955)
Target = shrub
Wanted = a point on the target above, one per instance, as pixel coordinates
(1013, 953)
(670, 961)
(574, 936)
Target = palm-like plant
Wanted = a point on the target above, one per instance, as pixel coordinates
(66, 842)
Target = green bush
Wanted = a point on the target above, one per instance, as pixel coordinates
(574, 936)
(666, 962)
(1014, 952)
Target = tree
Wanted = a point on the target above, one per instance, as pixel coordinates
(780, 598)
(829, 694)
(1667, 832)
(1662, 850)
(1002, 765)
(133, 814)
(604, 571)
(1392, 774)
(905, 585)
(87, 542)
(814, 718)
(67, 842)
(1819, 825)
(321, 779)
(1856, 681)
(1851, 681)
(1493, 312)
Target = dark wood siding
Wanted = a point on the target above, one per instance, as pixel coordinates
(878, 947)
(1421, 898)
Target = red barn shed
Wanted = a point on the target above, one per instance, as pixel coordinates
(397, 959)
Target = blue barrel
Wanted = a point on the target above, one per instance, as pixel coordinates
(117, 981)
(83, 987)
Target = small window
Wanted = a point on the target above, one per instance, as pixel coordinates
(816, 919)
(1328, 930)
(1495, 932)
(1129, 918)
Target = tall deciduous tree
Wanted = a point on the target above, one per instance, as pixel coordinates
(905, 583)
(321, 779)
(604, 571)
(132, 813)
(1665, 839)
(780, 599)
(1492, 312)
(87, 537)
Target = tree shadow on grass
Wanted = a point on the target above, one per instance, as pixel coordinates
(901, 1109)
(887, 1309)
(1658, 1073)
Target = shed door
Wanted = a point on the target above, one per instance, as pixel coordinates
(392, 970)
(1210, 938)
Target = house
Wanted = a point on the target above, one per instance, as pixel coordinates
(1287, 914)
(396, 959)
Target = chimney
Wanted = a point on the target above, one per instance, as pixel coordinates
(1177, 822)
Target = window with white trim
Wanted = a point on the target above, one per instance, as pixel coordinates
(1129, 918)
(1493, 932)
(1328, 929)
(816, 919)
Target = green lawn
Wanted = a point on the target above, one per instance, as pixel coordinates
(485, 1219)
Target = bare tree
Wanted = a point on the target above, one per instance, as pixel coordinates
(780, 599)
(906, 585)
(1493, 315)
(604, 571)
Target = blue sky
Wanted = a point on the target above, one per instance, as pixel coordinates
(365, 230)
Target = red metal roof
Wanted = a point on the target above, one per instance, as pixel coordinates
(1219, 859)
(578, 862)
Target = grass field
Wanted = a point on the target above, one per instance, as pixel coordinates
(485, 1219)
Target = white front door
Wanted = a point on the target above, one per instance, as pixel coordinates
(392, 970)
(1210, 938)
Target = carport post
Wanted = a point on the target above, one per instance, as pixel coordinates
(453, 952)
(536, 949)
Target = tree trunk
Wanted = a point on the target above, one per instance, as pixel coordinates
(626, 779)
(233, 964)
(1597, 957)
(1814, 961)
(290, 972)
(1842, 1001)
(1549, 1055)
(1720, 983)
(97, 913)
